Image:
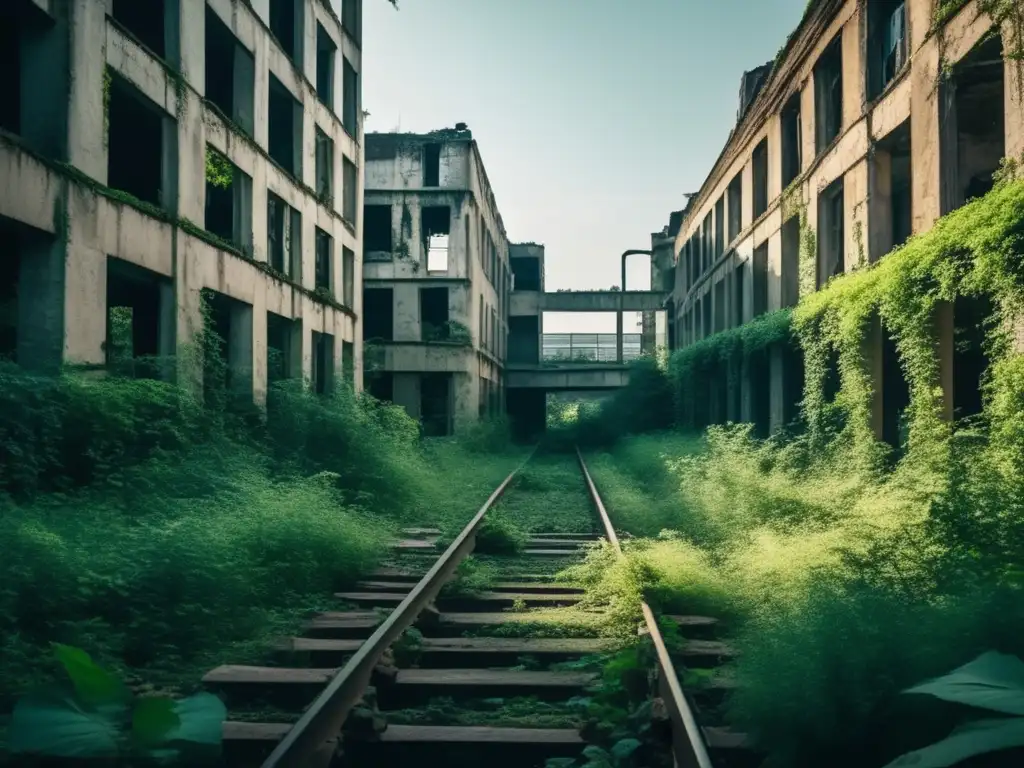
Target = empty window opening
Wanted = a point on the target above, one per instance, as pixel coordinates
(760, 394)
(284, 237)
(350, 12)
(431, 165)
(524, 340)
(792, 140)
(828, 95)
(284, 125)
(324, 258)
(707, 248)
(282, 348)
(286, 24)
(792, 382)
(135, 157)
(12, 32)
(760, 163)
(381, 385)
(973, 317)
(435, 225)
(146, 22)
(972, 131)
(831, 232)
(739, 283)
(324, 168)
(323, 363)
(227, 350)
(350, 97)
(326, 53)
(720, 226)
(890, 200)
(230, 74)
(759, 280)
(348, 277)
(349, 190)
(135, 320)
(435, 404)
(719, 306)
(433, 314)
(348, 362)
(887, 43)
(895, 397)
(735, 197)
(790, 262)
(706, 315)
(377, 229)
(228, 210)
(378, 314)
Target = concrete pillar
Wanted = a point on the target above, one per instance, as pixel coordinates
(924, 128)
(879, 223)
(874, 367)
(776, 388)
(40, 320)
(85, 313)
(618, 336)
(191, 198)
(260, 373)
(241, 349)
(406, 392)
(86, 124)
(166, 329)
(1013, 96)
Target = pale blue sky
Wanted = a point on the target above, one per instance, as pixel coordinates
(593, 117)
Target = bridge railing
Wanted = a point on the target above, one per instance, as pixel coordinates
(588, 347)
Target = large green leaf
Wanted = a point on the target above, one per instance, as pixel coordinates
(975, 738)
(93, 684)
(992, 681)
(53, 724)
(623, 748)
(153, 719)
(200, 720)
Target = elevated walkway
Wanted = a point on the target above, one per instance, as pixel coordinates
(567, 377)
(535, 302)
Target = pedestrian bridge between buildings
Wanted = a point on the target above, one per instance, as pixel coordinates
(566, 377)
(536, 302)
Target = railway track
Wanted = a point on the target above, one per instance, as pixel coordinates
(339, 699)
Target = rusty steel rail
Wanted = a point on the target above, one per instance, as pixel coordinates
(311, 742)
(688, 747)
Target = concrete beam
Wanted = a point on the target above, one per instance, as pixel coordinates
(568, 378)
(603, 301)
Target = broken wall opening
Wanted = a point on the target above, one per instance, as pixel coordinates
(284, 237)
(147, 21)
(230, 74)
(886, 44)
(136, 143)
(828, 95)
(227, 350)
(972, 128)
(831, 232)
(434, 314)
(284, 348)
(760, 163)
(431, 165)
(284, 124)
(792, 140)
(435, 224)
(972, 318)
(377, 232)
(435, 404)
(287, 25)
(326, 55)
(323, 260)
(140, 320)
(324, 168)
(228, 207)
(378, 314)
(322, 375)
(735, 197)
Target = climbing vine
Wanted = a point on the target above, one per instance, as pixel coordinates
(108, 81)
(219, 170)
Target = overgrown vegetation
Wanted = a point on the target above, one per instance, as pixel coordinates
(165, 533)
(847, 572)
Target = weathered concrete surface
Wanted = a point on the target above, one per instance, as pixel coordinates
(88, 230)
(602, 301)
(578, 377)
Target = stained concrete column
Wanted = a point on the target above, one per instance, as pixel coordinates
(40, 321)
(166, 330)
(879, 225)
(618, 336)
(406, 393)
(86, 124)
(191, 129)
(924, 128)
(260, 373)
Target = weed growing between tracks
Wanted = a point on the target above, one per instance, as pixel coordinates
(548, 496)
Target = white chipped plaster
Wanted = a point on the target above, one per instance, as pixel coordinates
(100, 226)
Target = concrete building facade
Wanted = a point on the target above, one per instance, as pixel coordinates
(437, 279)
(878, 117)
(156, 152)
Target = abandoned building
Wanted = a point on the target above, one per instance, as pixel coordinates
(436, 281)
(876, 119)
(157, 152)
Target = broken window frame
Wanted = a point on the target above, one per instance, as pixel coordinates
(160, 48)
(239, 107)
(284, 237)
(350, 98)
(436, 238)
(348, 277)
(324, 168)
(275, 129)
(323, 261)
(349, 191)
(886, 44)
(759, 174)
(828, 95)
(326, 63)
(832, 234)
(378, 230)
(378, 314)
(121, 88)
(791, 156)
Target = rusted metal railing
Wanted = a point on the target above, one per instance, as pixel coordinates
(688, 747)
(312, 741)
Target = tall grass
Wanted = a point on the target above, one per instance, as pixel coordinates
(841, 586)
(163, 537)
